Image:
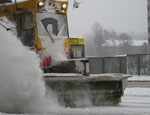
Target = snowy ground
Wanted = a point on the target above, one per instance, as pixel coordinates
(136, 101)
(139, 78)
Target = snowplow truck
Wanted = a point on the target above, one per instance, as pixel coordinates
(40, 24)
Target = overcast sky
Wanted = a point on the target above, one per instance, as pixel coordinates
(120, 15)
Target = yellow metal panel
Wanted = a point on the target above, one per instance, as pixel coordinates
(9, 10)
(61, 3)
(67, 44)
(76, 41)
(73, 41)
(81, 41)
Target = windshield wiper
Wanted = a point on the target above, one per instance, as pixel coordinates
(50, 36)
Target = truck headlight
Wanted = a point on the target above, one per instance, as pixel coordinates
(41, 4)
(62, 11)
(64, 6)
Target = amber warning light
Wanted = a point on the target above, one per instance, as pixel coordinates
(41, 3)
(64, 6)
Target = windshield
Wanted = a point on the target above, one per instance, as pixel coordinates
(24, 31)
(52, 25)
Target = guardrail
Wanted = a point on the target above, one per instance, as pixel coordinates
(135, 64)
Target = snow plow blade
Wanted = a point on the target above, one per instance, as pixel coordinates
(76, 90)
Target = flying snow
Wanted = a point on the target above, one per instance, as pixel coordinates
(22, 89)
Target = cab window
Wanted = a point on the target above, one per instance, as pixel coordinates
(25, 29)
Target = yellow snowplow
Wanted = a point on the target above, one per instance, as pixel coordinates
(40, 25)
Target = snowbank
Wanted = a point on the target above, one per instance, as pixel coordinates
(139, 78)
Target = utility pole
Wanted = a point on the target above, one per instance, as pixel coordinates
(148, 10)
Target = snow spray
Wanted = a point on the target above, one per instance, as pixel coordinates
(22, 89)
(56, 50)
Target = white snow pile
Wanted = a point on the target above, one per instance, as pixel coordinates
(22, 89)
(139, 78)
(113, 42)
(139, 42)
(137, 91)
(55, 50)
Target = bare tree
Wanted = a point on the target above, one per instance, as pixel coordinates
(97, 33)
(89, 45)
(126, 42)
(145, 48)
(126, 39)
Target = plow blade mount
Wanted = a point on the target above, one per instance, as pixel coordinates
(76, 90)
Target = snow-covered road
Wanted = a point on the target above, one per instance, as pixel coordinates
(139, 81)
(143, 84)
(136, 101)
